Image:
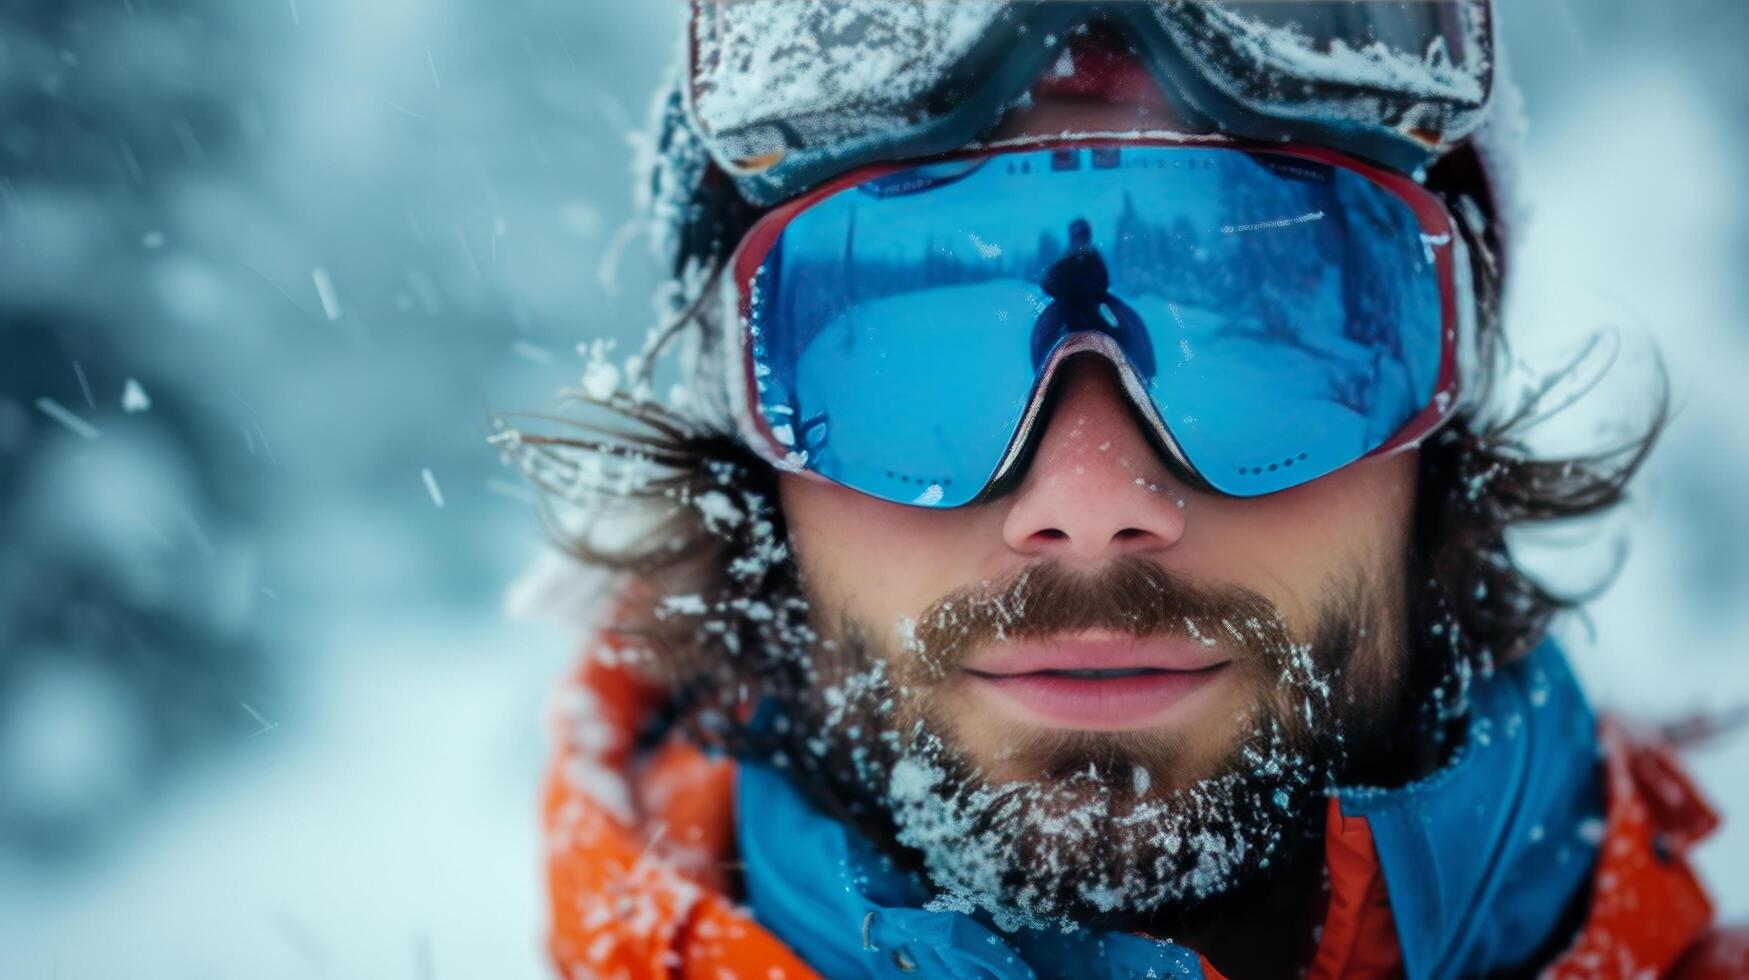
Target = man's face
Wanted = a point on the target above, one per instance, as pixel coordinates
(1108, 691)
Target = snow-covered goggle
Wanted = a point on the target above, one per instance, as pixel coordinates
(788, 94)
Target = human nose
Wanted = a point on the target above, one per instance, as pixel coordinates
(1096, 487)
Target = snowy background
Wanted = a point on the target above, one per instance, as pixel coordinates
(261, 713)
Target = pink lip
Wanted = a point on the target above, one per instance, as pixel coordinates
(1030, 676)
(1097, 651)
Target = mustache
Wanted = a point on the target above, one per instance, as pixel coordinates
(1131, 595)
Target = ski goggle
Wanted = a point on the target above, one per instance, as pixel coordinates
(1272, 315)
(788, 94)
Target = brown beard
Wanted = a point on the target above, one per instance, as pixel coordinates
(1111, 828)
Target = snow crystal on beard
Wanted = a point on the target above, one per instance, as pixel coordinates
(1098, 836)
(1087, 848)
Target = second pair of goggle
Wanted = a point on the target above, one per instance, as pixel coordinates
(788, 94)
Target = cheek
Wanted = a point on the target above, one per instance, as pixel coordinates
(1361, 514)
(1297, 545)
(877, 560)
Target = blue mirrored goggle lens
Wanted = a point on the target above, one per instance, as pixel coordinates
(1283, 315)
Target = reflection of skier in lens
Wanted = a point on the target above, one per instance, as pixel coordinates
(1081, 289)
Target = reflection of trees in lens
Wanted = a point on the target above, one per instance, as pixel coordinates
(1365, 240)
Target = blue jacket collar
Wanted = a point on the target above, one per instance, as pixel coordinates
(1480, 860)
(848, 912)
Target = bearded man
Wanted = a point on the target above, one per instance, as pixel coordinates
(934, 653)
